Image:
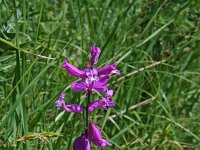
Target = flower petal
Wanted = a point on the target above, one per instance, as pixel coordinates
(60, 102)
(93, 105)
(94, 133)
(110, 104)
(103, 104)
(91, 75)
(101, 85)
(95, 52)
(82, 143)
(104, 143)
(109, 94)
(96, 137)
(79, 86)
(72, 70)
(107, 70)
(73, 108)
(103, 79)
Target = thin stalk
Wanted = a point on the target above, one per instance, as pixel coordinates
(87, 113)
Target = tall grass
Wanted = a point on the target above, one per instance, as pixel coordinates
(155, 45)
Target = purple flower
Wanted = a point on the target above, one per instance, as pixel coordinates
(79, 86)
(60, 103)
(102, 103)
(93, 79)
(96, 84)
(82, 143)
(73, 70)
(96, 137)
(92, 75)
(73, 108)
(95, 52)
(107, 70)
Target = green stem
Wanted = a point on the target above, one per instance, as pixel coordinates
(87, 113)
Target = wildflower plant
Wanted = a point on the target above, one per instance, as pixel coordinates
(92, 80)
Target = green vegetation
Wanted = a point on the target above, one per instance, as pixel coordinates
(155, 44)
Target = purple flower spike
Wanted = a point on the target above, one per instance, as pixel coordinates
(73, 70)
(107, 70)
(103, 103)
(95, 52)
(82, 143)
(92, 80)
(60, 103)
(96, 137)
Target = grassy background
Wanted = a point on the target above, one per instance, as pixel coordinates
(155, 44)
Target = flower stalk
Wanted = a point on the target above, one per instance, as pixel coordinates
(93, 80)
(87, 112)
